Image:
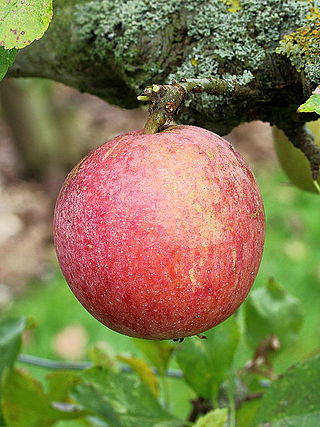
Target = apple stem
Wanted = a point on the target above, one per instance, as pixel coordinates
(302, 138)
(166, 100)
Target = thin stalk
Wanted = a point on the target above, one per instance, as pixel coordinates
(165, 101)
(165, 389)
(79, 366)
(231, 398)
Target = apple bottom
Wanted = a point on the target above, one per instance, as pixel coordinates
(156, 305)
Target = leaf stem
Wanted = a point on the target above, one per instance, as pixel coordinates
(231, 398)
(165, 388)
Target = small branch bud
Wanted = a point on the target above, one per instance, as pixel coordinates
(143, 98)
(156, 88)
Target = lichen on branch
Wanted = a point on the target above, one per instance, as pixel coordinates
(114, 49)
(302, 46)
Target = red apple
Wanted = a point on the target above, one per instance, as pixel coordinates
(160, 236)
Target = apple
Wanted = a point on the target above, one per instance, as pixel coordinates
(160, 236)
(293, 162)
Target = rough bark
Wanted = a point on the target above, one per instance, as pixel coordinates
(114, 49)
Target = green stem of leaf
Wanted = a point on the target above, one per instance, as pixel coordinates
(231, 398)
(165, 389)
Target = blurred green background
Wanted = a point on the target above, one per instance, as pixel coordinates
(71, 124)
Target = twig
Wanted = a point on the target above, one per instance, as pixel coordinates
(166, 100)
(253, 396)
(200, 406)
(216, 86)
(53, 364)
(78, 366)
(261, 363)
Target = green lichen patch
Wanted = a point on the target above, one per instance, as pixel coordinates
(168, 40)
(236, 46)
(137, 33)
(184, 38)
(302, 46)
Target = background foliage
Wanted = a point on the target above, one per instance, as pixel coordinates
(259, 367)
(136, 382)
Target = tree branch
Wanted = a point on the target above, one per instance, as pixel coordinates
(200, 406)
(114, 50)
(166, 100)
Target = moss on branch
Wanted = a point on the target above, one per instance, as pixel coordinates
(114, 49)
(302, 46)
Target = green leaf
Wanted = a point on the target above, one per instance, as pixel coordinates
(307, 420)
(207, 363)
(144, 371)
(81, 422)
(158, 353)
(10, 340)
(101, 354)
(22, 22)
(121, 400)
(2, 422)
(271, 311)
(60, 385)
(92, 398)
(7, 58)
(246, 412)
(312, 104)
(24, 403)
(294, 399)
(215, 418)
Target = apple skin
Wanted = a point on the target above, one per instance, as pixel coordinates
(293, 162)
(160, 236)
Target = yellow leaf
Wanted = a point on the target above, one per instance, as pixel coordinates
(144, 371)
